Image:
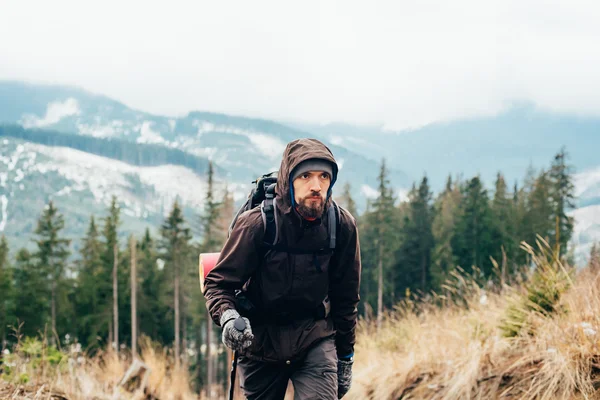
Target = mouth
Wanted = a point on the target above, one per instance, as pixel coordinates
(314, 199)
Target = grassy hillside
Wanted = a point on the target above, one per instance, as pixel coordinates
(463, 350)
(459, 345)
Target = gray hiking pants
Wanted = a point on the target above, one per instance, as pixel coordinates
(313, 377)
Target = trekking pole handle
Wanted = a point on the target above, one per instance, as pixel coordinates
(239, 324)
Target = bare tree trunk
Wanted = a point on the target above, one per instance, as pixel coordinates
(423, 272)
(367, 296)
(184, 342)
(209, 363)
(380, 287)
(176, 301)
(115, 298)
(133, 298)
(110, 330)
(504, 277)
(53, 311)
(392, 286)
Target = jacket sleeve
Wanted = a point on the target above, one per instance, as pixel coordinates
(238, 260)
(345, 286)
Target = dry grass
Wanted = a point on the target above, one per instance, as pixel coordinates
(97, 378)
(459, 352)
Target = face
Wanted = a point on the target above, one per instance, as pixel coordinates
(310, 192)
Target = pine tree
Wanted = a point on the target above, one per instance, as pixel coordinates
(174, 246)
(446, 209)
(6, 294)
(414, 256)
(347, 201)
(562, 195)
(133, 285)
(51, 257)
(90, 288)
(381, 239)
(523, 215)
(504, 227)
(210, 217)
(149, 280)
(154, 300)
(520, 205)
(540, 210)
(225, 215)
(124, 294)
(368, 250)
(31, 297)
(110, 260)
(472, 240)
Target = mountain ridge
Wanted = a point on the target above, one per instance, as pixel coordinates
(242, 147)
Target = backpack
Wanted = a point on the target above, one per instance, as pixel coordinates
(262, 195)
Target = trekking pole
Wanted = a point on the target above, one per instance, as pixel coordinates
(232, 376)
(240, 325)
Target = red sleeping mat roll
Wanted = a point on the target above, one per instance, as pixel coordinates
(206, 263)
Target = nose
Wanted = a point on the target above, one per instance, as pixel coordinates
(315, 184)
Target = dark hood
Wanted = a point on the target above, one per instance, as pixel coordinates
(296, 152)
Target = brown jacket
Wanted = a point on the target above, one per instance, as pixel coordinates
(280, 281)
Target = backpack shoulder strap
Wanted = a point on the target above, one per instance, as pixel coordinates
(333, 221)
(271, 233)
(269, 216)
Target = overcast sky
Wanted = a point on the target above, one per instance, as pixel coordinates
(397, 63)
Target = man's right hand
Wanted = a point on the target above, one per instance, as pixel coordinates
(232, 337)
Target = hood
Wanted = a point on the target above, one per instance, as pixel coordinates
(296, 152)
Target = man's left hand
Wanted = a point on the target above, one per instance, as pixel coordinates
(344, 376)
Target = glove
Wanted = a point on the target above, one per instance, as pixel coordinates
(344, 376)
(233, 338)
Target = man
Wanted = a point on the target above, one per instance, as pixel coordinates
(302, 319)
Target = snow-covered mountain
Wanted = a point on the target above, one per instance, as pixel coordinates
(81, 184)
(33, 172)
(244, 147)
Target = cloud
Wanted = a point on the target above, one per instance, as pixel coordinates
(399, 63)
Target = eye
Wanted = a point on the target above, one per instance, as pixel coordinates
(305, 175)
(325, 175)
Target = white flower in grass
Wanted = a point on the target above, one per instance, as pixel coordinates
(551, 350)
(6, 352)
(589, 332)
(483, 299)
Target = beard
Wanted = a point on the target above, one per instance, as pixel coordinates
(309, 208)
